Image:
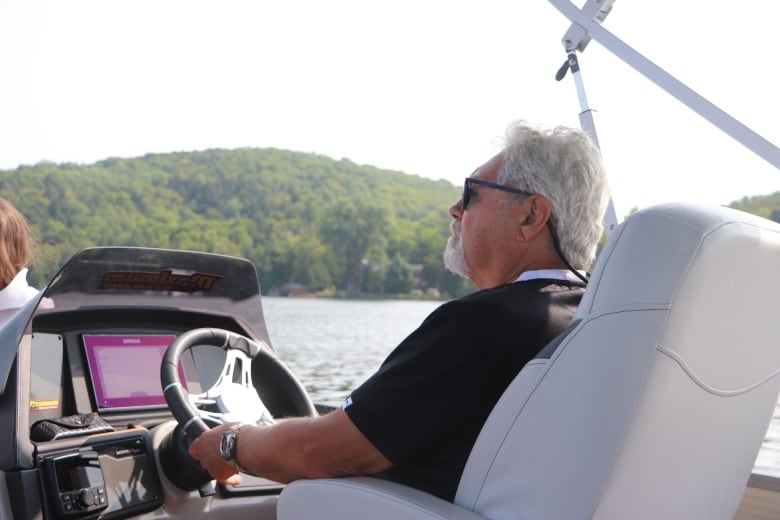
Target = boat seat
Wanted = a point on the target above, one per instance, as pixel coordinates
(653, 404)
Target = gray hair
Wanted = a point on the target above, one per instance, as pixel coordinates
(564, 166)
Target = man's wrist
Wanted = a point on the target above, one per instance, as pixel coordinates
(228, 446)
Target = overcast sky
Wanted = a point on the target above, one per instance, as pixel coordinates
(425, 87)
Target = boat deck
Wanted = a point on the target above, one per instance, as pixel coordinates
(761, 500)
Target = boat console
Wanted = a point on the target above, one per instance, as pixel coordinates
(96, 433)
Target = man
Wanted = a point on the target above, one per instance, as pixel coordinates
(524, 231)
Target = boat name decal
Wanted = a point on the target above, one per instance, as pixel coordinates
(162, 281)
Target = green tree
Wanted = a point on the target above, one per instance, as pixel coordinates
(399, 278)
(350, 230)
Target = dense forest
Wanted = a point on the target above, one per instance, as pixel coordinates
(329, 226)
(767, 206)
(306, 219)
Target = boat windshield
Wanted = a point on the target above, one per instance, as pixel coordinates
(158, 278)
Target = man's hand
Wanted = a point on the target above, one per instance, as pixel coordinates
(205, 449)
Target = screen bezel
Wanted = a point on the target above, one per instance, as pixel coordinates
(104, 397)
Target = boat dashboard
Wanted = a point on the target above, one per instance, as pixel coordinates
(92, 428)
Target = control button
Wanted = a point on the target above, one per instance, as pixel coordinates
(86, 498)
(66, 497)
(101, 490)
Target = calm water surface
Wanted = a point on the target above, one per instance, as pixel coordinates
(334, 345)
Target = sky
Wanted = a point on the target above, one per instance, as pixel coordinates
(424, 87)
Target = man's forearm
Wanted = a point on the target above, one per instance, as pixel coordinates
(306, 447)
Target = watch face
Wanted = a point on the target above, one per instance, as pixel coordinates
(227, 446)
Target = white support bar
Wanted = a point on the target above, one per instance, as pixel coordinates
(741, 133)
(610, 219)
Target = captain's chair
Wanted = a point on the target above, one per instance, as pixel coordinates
(652, 405)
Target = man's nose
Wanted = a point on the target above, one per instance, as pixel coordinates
(456, 210)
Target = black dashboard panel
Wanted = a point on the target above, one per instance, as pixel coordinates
(112, 475)
(107, 463)
(61, 381)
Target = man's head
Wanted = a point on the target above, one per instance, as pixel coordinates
(546, 184)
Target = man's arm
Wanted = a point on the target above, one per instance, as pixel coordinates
(307, 447)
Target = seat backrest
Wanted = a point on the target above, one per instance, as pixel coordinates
(656, 400)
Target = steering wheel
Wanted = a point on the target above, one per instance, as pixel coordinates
(234, 397)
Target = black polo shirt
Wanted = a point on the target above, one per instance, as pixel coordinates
(425, 406)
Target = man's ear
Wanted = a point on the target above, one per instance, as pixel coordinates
(537, 210)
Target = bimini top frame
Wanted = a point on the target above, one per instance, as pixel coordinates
(586, 25)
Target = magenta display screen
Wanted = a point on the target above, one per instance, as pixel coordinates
(125, 369)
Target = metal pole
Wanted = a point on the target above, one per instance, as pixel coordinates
(588, 125)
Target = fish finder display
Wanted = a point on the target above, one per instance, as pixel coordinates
(125, 369)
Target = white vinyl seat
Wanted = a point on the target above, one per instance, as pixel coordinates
(653, 404)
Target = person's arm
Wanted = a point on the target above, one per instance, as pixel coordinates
(307, 447)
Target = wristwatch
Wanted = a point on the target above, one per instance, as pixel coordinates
(228, 446)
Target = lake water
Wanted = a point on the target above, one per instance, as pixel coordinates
(334, 345)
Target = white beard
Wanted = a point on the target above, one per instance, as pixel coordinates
(454, 256)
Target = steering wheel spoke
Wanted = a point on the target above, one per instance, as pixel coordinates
(236, 371)
(232, 398)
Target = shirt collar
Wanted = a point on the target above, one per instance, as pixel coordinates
(554, 274)
(17, 293)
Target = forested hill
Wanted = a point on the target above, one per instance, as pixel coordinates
(304, 219)
(767, 206)
(301, 218)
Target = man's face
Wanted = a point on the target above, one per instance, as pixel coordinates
(479, 234)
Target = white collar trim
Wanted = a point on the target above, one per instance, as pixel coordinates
(555, 274)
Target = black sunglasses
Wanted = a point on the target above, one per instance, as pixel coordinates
(468, 192)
